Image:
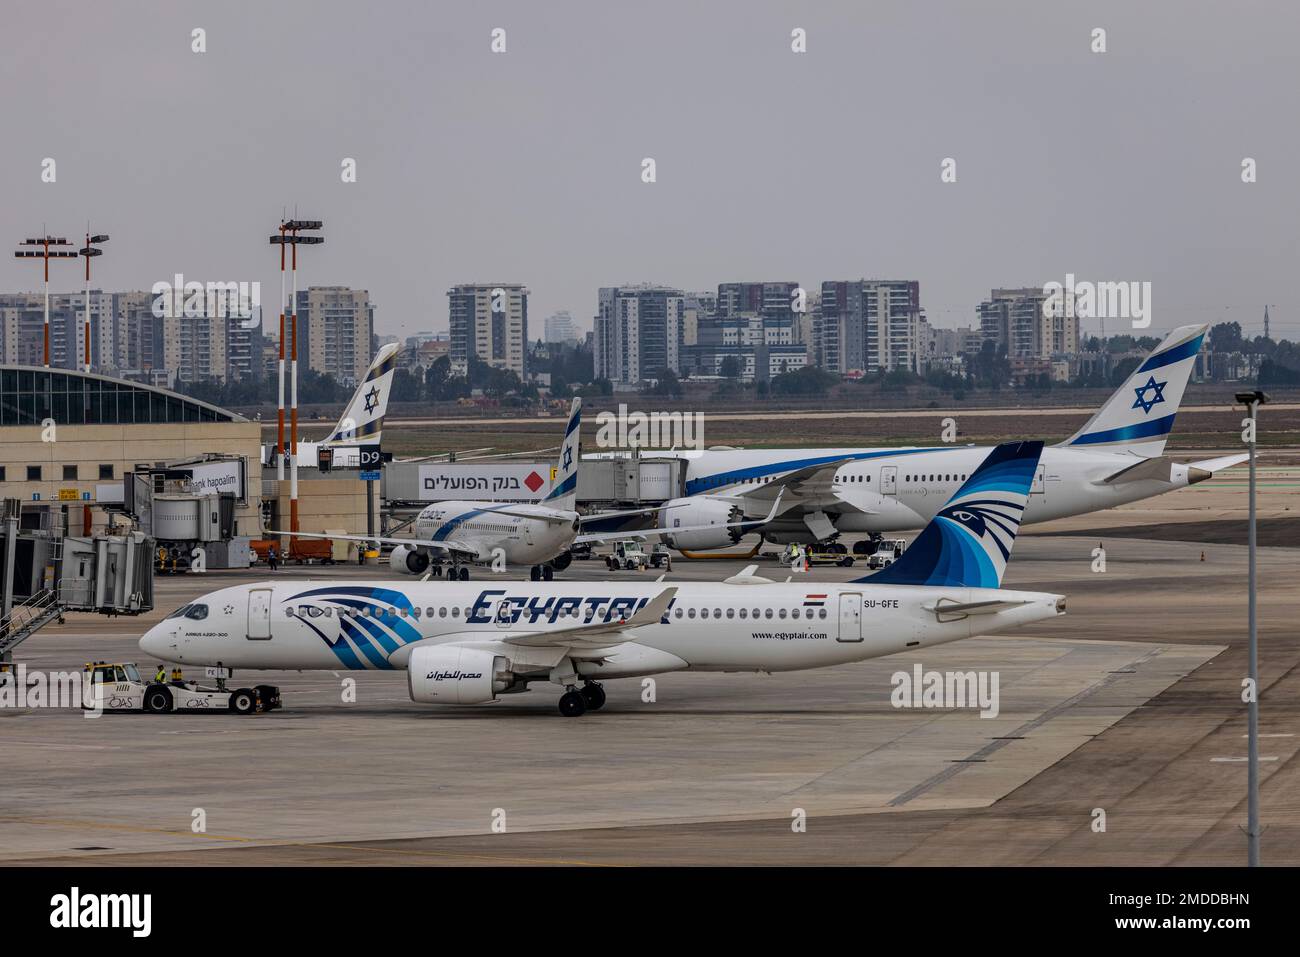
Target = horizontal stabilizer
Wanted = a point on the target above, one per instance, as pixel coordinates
(943, 608)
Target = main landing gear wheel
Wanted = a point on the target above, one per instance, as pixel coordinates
(573, 704)
(535, 574)
(594, 696)
(548, 573)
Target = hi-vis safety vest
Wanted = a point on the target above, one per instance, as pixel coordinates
(160, 676)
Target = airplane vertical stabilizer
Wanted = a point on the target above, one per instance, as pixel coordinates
(362, 422)
(969, 541)
(564, 491)
(1140, 415)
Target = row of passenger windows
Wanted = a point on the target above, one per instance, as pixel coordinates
(840, 477)
(454, 612)
(757, 613)
(36, 473)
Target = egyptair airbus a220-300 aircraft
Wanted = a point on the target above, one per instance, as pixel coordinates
(468, 644)
(463, 533)
(1117, 457)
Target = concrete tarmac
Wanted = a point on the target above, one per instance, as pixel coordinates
(1119, 740)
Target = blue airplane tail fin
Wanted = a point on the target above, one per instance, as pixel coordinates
(1139, 416)
(969, 541)
(564, 491)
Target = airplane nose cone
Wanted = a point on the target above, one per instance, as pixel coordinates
(158, 644)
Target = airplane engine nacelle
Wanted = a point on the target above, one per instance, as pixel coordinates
(690, 512)
(408, 561)
(456, 675)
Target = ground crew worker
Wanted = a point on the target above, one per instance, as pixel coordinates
(270, 557)
(794, 554)
(161, 676)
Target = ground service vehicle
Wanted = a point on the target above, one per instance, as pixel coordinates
(627, 556)
(118, 686)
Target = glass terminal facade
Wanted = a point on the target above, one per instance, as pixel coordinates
(29, 396)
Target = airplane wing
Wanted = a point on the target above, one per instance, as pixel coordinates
(596, 538)
(809, 485)
(551, 519)
(648, 510)
(441, 549)
(598, 634)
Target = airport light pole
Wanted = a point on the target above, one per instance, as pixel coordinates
(89, 251)
(45, 242)
(1252, 401)
(288, 235)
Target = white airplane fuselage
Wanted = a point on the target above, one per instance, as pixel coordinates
(709, 627)
(529, 535)
(894, 489)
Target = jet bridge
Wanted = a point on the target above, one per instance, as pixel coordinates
(44, 574)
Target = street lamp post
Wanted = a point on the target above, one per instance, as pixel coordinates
(89, 251)
(1252, 401)
(45, 242)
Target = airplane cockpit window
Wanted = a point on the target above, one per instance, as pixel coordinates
(179, 611)
(197, 612)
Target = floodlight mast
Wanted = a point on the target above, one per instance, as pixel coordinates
(89, 251)
(288, 235)
(45, 242)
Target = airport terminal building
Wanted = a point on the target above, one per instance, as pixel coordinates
(69, 438)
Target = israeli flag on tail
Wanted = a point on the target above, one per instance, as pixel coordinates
(1139, 417)
(362, 422)
(967, 544)
(564, 490)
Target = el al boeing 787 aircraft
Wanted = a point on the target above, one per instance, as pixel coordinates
(1117, 457)
(464, 644)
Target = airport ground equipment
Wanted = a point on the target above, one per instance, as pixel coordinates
(829, 553)
(188, 507)
(44, 574)
(119, 686)
(886, 552)
(627, 556)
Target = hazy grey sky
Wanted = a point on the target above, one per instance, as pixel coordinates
(525, 166)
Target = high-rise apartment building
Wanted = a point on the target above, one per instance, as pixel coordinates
(1014, 319)
(560, 327)
(336, 327)
(489, 321)
(638, 333)
(866, 325)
